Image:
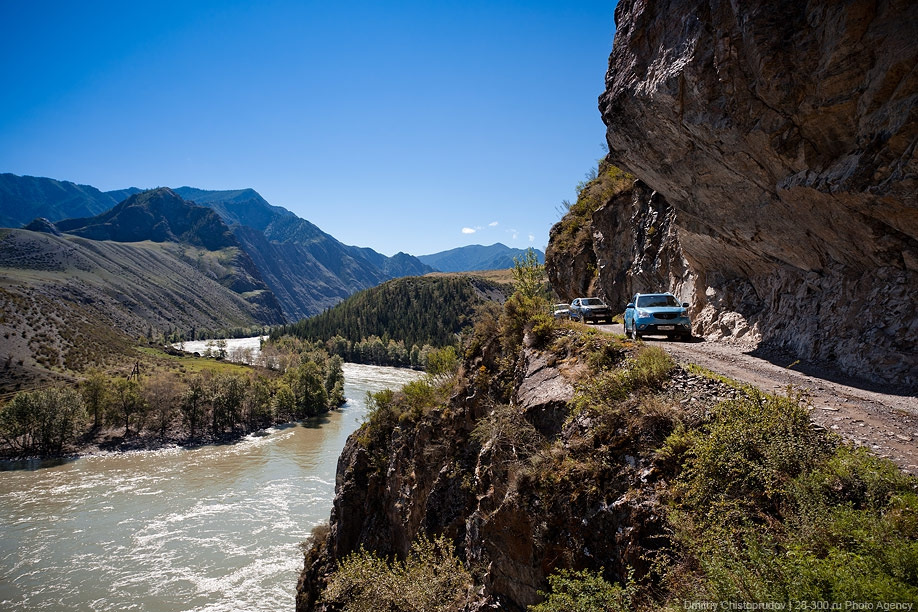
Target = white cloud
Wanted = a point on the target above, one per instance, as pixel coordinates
(493, 224)
(468, 230)
(531, 238)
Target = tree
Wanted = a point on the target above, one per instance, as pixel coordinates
(96, 396)
(42, 421)
(127, 402)
(284, 401)
(227, 391)
(257, 408)
(193, 404)
(161, 394)
(529, 275)
(308, 385)
(334, 381)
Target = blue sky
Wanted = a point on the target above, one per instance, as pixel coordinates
(402, 126)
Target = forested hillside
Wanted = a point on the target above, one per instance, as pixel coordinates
(394, 322)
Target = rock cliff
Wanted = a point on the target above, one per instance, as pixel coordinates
(502, 470)
(774, 145)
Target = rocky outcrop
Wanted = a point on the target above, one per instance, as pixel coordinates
(630, 244)
(782, 137)
(467, 470)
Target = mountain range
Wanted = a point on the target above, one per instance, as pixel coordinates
(89, 271)
(306, 269)
(24, 198)
(476, 257)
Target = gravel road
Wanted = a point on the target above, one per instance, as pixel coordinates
(886, 420)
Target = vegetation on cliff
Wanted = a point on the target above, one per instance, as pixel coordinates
(599, 186)
(649, 487)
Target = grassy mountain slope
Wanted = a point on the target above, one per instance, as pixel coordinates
(475, 257)
(23, 198)
(70, 303)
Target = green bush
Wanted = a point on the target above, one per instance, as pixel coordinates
(42, 422)
(585, 591)
(431, 579)
(769, 508)
(443, 362)
(523, 314)
(648, 369)
(748, 455)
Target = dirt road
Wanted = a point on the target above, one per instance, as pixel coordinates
(887, 422)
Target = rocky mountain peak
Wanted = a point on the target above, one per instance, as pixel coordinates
(158, 215)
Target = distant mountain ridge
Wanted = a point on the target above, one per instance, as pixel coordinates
(307, 269)
(159, 215)
(476, 257)
(237, 207)
(24, 198)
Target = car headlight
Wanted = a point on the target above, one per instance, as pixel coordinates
(643, 313)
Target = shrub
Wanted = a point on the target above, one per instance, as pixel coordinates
(432, 578)
(523, 314)
(585, 591)
(443, 362)
(768, 508)
(418, 397)
(510, 436)
(648, 369)
(749, 454)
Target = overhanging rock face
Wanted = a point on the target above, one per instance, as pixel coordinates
(782, 135)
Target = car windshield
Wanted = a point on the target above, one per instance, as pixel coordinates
(592, 302)
(657, 301)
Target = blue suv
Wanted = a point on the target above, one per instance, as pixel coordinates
(657, 314)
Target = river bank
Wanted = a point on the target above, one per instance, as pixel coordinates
(208, 528)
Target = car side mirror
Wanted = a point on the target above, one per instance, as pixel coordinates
(685, 304)
(630, 305)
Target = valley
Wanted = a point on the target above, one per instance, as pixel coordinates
(195, 408)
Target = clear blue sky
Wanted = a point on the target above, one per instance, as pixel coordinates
(402, 126)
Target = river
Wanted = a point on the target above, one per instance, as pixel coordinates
(209, 529)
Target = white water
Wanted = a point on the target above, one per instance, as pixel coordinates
(210, 529)
(247, 347)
